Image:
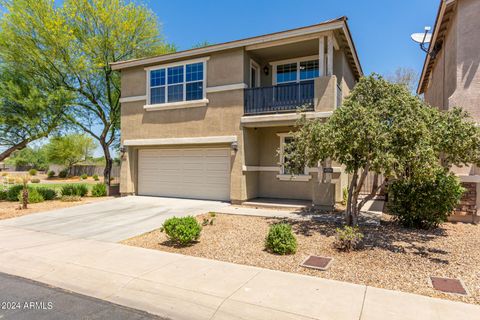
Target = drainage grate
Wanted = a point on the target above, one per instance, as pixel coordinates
(316, 262)
(448, 285)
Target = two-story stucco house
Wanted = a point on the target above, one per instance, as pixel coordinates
(451, 77)
(211, 122)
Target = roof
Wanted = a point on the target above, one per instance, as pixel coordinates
(445, 11)
(330, 25)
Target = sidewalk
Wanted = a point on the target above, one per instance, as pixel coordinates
(182, 287)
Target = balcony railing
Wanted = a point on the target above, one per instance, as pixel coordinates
(280, 98)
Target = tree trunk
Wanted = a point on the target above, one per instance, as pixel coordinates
(107, 172)
(350, 203)
(19, 146)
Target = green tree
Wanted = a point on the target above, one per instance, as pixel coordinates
(35, 157)
(29, 110)
(70, 149)
(72, 46)
(382, 128)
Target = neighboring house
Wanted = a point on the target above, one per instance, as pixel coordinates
(211, 122)
(451, 77)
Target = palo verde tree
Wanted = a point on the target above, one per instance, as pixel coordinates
(29, 110)
(71, 47)
(383, 129)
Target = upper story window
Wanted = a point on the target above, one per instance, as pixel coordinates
(176, 82)
(295, 70)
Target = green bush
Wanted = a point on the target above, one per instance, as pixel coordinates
(345, 196)
(13, 191)
(32, 172)
(347, 238)
(3, 195)
(182, 230)
(99, 190)
(47, 193)
(35, 180)
(95, 177)
(33, 196)
(280, 239)
(63, 173)
(51, 174)
(84, 176)
(424, 203)
(74, 189)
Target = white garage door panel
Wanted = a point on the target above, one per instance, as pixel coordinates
(190, 173)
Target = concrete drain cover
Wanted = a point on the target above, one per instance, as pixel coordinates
(448, 285)
(316, 262)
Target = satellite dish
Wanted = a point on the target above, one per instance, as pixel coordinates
(422, 37)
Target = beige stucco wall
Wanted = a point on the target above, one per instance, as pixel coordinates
(219, 118)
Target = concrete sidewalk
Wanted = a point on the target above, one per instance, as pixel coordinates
(182, 287)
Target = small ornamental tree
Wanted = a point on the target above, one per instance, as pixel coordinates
(383, 129)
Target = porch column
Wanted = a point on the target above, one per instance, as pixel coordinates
(330, 54)
(321, 56)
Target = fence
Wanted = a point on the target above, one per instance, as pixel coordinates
(89, 170)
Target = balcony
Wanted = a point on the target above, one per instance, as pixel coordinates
(280, 98)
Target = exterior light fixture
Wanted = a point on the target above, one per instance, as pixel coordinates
(266, 70)
(234, 146)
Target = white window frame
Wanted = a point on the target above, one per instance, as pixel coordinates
(254, 65)
(286, 176)
(274, 65)
(176, 104)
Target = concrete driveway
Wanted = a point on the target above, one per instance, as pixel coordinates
(112, 220)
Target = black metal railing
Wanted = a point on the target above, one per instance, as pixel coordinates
(279, 98)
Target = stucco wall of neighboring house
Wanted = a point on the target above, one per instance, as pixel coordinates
(219, 118)
(467, 71)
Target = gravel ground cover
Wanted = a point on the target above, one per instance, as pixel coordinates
(393, 257)
(11, 209)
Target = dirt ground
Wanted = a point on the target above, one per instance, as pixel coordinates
(393, 257)
(11, 209)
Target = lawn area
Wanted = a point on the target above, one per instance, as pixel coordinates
(393, 258)
(11, 209)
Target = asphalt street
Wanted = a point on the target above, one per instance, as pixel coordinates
(23, 299)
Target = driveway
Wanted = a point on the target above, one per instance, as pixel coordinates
(112, 220)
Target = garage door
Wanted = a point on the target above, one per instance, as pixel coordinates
(200, 173)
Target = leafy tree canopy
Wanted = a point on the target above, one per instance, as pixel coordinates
(35, 157)
(29, 110)
(384, 129)
(71, 47)
(70, 149)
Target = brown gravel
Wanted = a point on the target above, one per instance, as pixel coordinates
(394, 258)
(11, 209)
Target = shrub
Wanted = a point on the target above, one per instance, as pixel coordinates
(347, 238)
(32, 172)
(33, 196)
(424, 203)
(280, 239)
(11, 180)
(99, 190)
(35, 180)
(51, 174)
(84, 176)
(3, 195)
(74, 189)
(95, 177)
(70, 198)
(63, 173)
(182, 230)
(13, 191)
(47, 193)
(4, 174)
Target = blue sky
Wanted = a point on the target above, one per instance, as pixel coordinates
(381, 28)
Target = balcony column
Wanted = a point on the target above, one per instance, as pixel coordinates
(330, 54)
(321, 56)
